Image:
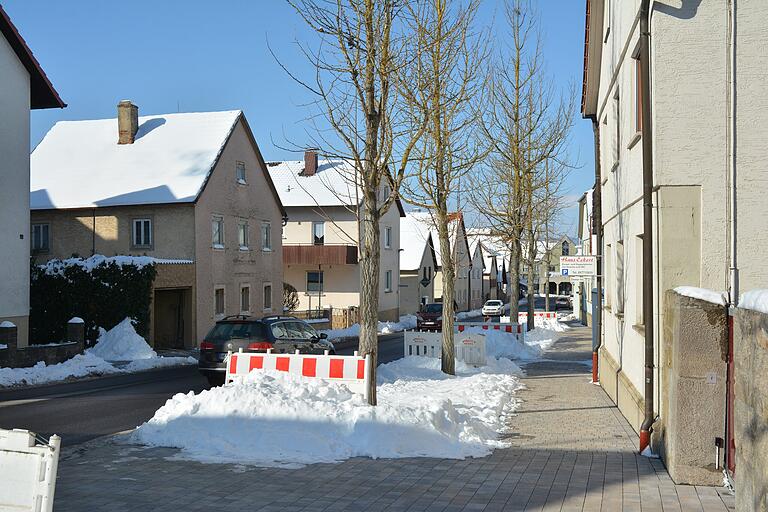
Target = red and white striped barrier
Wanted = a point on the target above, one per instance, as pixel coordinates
(523, 315)
(354, 371)
(517, 329)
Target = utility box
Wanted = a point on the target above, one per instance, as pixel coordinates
(27, 471)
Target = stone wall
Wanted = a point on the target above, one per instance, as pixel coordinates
(693, 387)
(22, 357)
(750, 347)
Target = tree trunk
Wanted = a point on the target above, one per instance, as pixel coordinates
(449, 281)
(370, 252)
(531, 294)
(514, 284)
(546, 282)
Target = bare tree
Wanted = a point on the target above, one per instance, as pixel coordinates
(355, 68)
(526, 124)
(441, 85)
(290, 297)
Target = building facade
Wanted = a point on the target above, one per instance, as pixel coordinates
(24, 87)
(213, 223)
(417, 265)
(692, 160)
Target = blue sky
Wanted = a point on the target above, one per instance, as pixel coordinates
(197, 56)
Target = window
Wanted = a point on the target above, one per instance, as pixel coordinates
(242, 234)
(142, 232)
(387, 237)
(617, 119)
(266, 236)
(388, 281)
(424, 273)
(318, 233)
(240, 172)
(315, 282)
(607, 20)
(566, 248)
(551, 268)
(245, 298)
(218, 232)
(608, 271)
(639, 320)
(267, 297)
(638, 82)
(620, 280)
(40, 238)
(218, 301)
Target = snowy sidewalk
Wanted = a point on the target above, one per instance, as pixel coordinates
(572, 450)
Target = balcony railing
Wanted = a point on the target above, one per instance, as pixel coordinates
(299, 254)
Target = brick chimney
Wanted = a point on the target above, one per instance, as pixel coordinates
(127, 122)
(310, 162)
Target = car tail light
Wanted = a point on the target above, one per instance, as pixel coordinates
(206, 345)
(260, 345)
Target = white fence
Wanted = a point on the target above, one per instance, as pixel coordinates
(27, 471)
(469, 348)
(354, 371)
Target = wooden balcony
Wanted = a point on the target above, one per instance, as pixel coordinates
(319, 254)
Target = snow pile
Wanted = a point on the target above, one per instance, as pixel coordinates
(703, 294)
(277, 419)
(756, 300)
(82, 365)
(88, 264)
(122, 343)
(406, 322)
(7, 325)
(500, 344)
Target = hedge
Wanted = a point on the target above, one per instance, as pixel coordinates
(101, 291)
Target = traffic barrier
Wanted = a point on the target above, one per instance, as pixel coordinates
(517, 329)
(469, 347)
(28, 466)
(354, 371)
(523, 315)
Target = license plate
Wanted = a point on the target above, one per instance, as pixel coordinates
(220, 357)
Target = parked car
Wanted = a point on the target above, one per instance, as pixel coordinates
(430, 318)
(284, 334)
(493, 308)
(563, 303)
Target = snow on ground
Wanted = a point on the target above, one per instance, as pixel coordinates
(703, 294)
(406, 322)
(121, 343)
(276, 419)
(756, 300)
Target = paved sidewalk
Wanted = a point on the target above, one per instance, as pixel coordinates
(571, 450)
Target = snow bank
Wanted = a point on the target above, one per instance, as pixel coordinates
(276, 419)
(88, 264)
(703, 294)
(82, 365)
(756, 300)
(406, 322)
(6, 324)
(122, 343)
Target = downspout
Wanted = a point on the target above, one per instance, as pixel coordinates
(645, 69)
(734, 269)
(597, 228)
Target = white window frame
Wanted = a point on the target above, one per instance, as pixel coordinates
(266, 236)
(264, 297)
(322, 287)
(223, 289)
(243, 234)
(387, 237)
(143, 222)
(317, 223)
(245, 310)
(40, 226)
(218, 244)
(388, 281)
(240, 177)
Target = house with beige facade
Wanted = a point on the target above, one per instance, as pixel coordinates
(582, 287)
(705, 146)
(189, 189)
(459, 244)
(24, 87)
(547, 266)
(477, 289)
(418, 264)
(320, 240)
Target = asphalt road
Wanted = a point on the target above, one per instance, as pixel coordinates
(83, 410)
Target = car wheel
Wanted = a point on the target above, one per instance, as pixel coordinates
(216, 379)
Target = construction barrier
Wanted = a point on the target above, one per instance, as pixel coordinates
(28, 468)
(354, 371)
(523, 315)
(469, 348)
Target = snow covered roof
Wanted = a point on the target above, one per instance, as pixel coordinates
(333, 184)
(415, 234)
(425, 219)
(80, 164)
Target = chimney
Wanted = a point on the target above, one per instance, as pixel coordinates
(310, 162)
(127, 122)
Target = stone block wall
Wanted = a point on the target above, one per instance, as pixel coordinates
(23, 357)
(750, 347)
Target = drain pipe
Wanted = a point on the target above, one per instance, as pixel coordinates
(645, 68)
(734, 269)
(597, 229)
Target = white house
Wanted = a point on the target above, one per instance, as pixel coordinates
(693, 162)
(582, 288)
(24, 87)
(477, 288)
(321, 237)
(418, 265)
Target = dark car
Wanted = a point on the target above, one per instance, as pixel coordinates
(430, 318)
(563, 303)
(284, 334)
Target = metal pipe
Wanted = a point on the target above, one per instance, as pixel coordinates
(734, 269)
(645, 69)
(597, 228)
